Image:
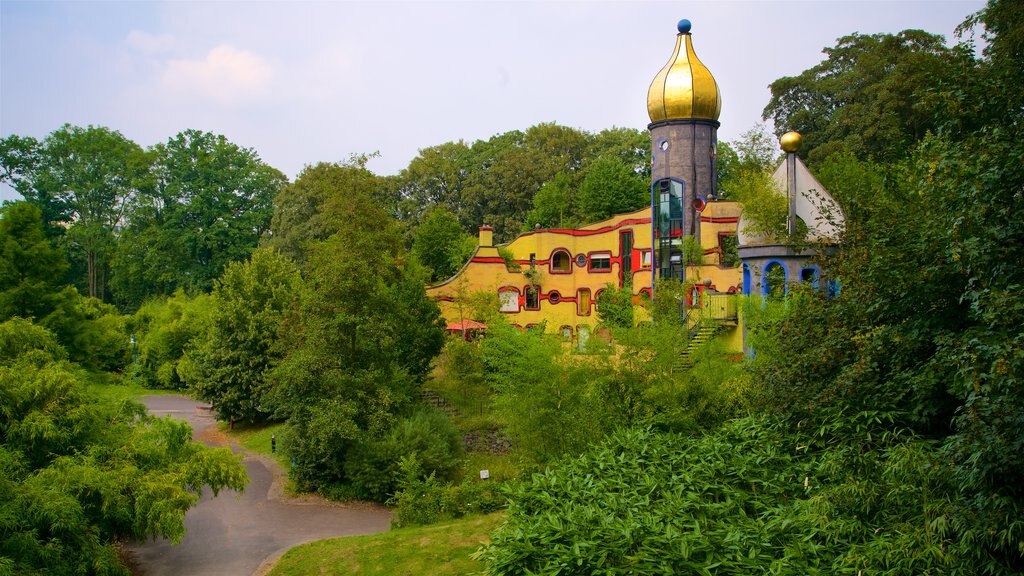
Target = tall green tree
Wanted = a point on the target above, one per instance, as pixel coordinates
(228, 364)
(164, 328)
(210, 203)
(83, 180)
(301, 210)
(873, 95)
(440, 244)
(509, 169)
(610, 187)
(31, 269)
(359, 343)
(435, 177)
(19, 158)
(554, 205)
(926, 326)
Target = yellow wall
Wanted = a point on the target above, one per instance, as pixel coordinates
(486, 270)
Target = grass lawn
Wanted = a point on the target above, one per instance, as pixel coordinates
(256, 438)
(436, 549)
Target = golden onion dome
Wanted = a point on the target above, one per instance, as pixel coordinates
(684, 88)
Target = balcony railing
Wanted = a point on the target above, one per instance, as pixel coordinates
(721, 307)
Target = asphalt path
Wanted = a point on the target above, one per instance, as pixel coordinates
(242, 534)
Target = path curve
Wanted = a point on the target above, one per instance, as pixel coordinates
(236, 534)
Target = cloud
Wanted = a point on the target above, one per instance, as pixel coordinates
(226, 75)
(151, 43)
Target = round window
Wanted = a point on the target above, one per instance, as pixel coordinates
(581, 260)
(663, 145)
(554, 297)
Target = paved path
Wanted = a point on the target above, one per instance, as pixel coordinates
(235, 534)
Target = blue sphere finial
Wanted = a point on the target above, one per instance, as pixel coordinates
(683, 26)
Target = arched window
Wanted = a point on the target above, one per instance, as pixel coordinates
(746, 279)
(508, 299)
(773, 280)
(561, 262)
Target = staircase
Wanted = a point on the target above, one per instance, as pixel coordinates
(703, 332)
(431, 398)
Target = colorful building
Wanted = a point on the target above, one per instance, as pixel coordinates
(555, 277)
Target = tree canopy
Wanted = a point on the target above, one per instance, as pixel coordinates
(873, 96)
(79, 473)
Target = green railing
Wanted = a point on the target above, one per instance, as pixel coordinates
(721, 307)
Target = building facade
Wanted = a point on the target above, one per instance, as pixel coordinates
(555, 277)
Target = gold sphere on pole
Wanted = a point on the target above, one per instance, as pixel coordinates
(791, 142)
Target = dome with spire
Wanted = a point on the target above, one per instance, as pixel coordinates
(684, 88)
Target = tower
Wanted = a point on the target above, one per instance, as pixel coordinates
(684, 104)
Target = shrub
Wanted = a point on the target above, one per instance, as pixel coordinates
(847, 493)
(426, 500)
(373, 466)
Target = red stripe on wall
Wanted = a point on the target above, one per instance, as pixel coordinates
(488, 260)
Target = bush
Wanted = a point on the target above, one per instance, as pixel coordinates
(847, 493)
(426, 500)
(373, 466)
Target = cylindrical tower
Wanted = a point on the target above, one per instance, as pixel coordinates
(684, 104)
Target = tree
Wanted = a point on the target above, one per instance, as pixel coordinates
(615, 306)
(228, 364)
(301, 215)
(164, 328)
(872, 96)
(31, 269)
(359, 343)
(211, 202)
(435, 177)
(79, 474)
(440, 244)
(32, 287)
(610, 187)
(630, 145)
(84, 179)
(509, 169)
(19, 158)
(926, 326)
(553, 206)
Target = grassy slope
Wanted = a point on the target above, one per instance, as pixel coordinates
(256, 438)
(436, 549)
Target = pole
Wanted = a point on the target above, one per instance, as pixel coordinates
(791, 173)
(135, 360)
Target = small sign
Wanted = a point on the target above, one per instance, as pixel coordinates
(485, 474)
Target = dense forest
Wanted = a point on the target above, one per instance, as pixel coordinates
(880, 431)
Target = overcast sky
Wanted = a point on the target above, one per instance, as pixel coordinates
(304, 82)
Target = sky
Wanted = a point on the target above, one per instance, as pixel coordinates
(303, 82)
